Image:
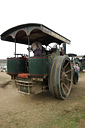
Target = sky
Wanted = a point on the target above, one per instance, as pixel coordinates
(66, 17)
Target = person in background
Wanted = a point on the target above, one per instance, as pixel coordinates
(77, 65)
(62, 51)
(77, 69)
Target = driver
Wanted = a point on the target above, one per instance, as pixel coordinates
(37, 48)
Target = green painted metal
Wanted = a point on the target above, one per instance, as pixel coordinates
(16, 65)
(38, 66)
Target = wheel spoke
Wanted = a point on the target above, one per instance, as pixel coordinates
(68, 79)
(66, 86)
(68, 71)
(66, 65)
(63, 89)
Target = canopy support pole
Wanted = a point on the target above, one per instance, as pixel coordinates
(28, 47)
(15, 47)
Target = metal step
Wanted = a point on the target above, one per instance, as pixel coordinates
(24, 83)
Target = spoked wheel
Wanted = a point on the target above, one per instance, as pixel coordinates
(60, 81)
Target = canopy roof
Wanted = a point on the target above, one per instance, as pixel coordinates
(72, 55)
(35, 32)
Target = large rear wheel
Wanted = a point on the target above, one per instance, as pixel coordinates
(60, 81)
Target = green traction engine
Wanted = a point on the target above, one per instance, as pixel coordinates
(33, 74)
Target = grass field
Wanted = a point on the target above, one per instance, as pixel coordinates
(41, 110)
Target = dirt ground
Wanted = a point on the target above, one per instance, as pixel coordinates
(41, 110)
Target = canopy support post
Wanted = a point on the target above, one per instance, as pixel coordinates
(28, 47)
(15, 47)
